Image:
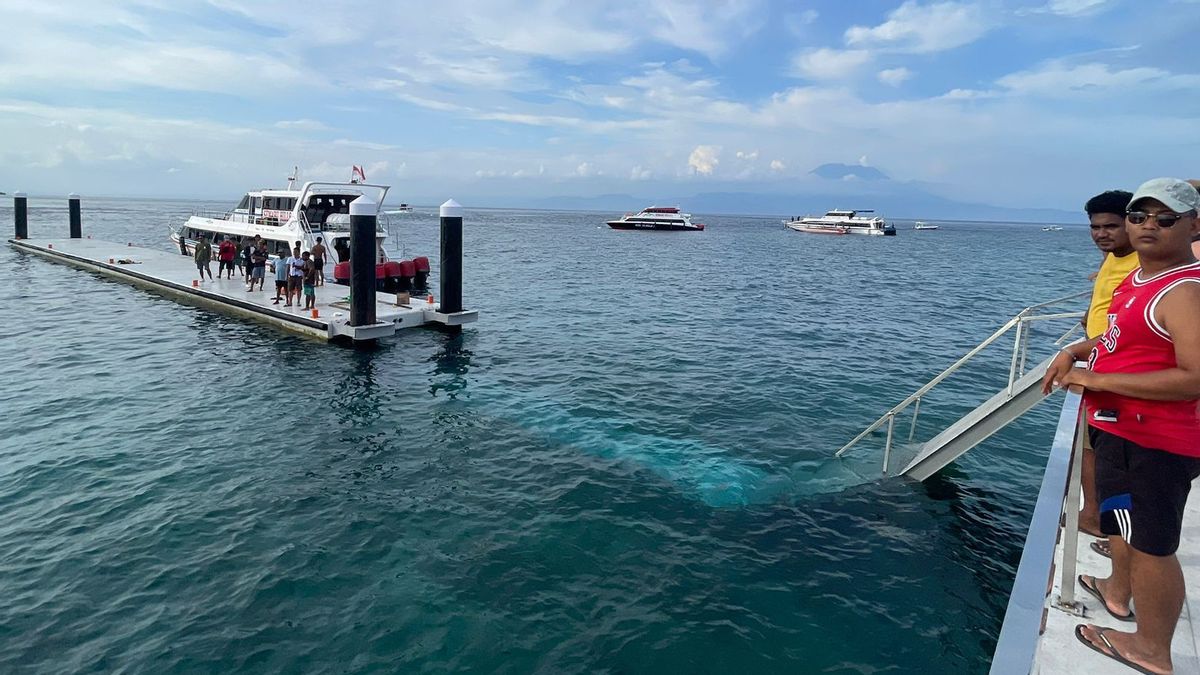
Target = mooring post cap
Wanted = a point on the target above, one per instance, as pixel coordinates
(73, 195)
(451, 209)
(19, 195)
(363, 206)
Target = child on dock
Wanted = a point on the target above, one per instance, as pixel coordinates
(281, 276)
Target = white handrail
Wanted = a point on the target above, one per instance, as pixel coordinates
(1016, 365)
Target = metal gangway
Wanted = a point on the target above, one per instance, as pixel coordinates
(1022, 393)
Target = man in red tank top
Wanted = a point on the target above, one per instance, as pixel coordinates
(1142, 394)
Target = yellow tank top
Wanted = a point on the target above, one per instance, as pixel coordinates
(1112, 272)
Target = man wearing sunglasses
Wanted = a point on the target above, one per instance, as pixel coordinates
(1142, 392)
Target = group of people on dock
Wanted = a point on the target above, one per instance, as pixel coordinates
(296, 275)
(1142, 401)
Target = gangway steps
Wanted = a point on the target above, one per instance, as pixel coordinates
(977, 425)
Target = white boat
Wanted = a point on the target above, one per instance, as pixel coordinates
(403, 208)
(1051, 228)
(285, 217)
(921, 225)
(842, 222)
(657, 218)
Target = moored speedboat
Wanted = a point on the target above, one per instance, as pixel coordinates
(849, 221)
(656, 218)
(285, 217)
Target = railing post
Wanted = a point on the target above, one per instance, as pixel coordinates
(1066, 597)
(1012, 367)
(887, 449)
(912, 430)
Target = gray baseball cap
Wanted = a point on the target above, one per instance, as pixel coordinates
(1177, 195)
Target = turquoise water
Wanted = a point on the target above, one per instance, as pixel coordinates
(624, 467)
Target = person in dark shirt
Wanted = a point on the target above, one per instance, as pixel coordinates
(258, 266)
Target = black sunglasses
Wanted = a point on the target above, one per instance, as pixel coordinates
(1164, 219)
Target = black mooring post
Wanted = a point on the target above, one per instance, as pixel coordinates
(20, 216)
(362, 261)
(76, 221)
(451, 265)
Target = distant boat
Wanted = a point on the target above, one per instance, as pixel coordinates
(921, 225)
(1051, 228)
(656, 218)
(842, 222)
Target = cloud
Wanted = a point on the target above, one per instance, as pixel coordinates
(778, 165)
(1055, 79)
(584, 170)
(828, 64)
(301, 125)
(894, 77)
(704, 159)
(923, 29)
(747, 156)
(639, 173)
(1073, 8)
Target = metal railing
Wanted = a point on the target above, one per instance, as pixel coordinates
(1017, 647)
(1016, 369)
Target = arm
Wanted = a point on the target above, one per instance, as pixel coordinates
(1063, 364)
(1179, 313)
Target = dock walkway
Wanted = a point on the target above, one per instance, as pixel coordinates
(176, 275)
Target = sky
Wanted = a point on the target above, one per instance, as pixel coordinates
(1037, 103)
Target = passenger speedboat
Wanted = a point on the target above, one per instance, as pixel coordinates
(656, 218)
(285, 217)
(921, 225)
(842, 222)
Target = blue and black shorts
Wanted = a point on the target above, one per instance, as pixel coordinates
(1142, 492)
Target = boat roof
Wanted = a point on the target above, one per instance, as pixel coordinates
(661, 209)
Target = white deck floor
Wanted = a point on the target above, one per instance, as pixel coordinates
(175, 274)
(1061, 652)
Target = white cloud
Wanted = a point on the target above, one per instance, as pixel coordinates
(829, 64)
(862, 161)
(777, 165)
(639, 173)
(894, 77)
(1074, 7)
(748, 156)
(704, 159)
(301, 125)
(917, 28)
(584, 170)
(1055, 79)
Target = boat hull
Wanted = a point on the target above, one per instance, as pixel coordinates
(625, 225)
(840, 229)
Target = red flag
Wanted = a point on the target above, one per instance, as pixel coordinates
(358, 174)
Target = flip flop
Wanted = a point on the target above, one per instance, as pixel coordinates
(1095, 590)
(1102, 548)
(1112, 652)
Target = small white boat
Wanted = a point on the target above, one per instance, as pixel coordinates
(657, 218)
(842, 222)
(1051, 228)
(403, 208)
(921, 225)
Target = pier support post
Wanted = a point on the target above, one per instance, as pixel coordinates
(451, 264)
(76, 220)
(362, 261)
(20, 216)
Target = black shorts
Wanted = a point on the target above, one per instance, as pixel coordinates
(1142, 492)
(281, 285)
(225, 264)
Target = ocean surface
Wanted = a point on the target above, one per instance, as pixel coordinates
(626, 466)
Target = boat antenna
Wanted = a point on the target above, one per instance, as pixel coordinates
(292, 178)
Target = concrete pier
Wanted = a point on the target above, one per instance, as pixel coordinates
(174, 275)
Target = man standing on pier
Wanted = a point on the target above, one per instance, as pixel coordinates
(203, 257)
(1106, 217)
(1142, 395)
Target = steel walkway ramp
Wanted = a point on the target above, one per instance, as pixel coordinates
(1021, 394)
(977, 425)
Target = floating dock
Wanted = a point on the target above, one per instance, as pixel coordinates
(176, 275)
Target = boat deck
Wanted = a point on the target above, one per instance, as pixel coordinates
(1061, 652)
(175, 275)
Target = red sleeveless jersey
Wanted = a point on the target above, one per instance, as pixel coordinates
(1136, 343)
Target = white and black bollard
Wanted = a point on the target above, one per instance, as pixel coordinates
(362, 261)
(76, 220)
(21, 215)
(451, 265)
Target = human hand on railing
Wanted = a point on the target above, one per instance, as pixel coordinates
(1061, 367)
(1078, 378)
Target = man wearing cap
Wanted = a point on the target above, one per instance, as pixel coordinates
(1142, 396)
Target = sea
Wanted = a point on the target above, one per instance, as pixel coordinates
(625, 466)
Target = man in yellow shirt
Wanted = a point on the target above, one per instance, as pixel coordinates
(1106, 216)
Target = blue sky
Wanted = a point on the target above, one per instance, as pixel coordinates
(1008, 102)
